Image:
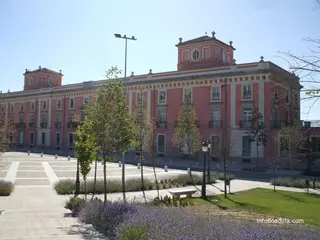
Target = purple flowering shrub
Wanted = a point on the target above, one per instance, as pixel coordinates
(144, 222)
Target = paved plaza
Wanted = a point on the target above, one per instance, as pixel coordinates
(35, 211)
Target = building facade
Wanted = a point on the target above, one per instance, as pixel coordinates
(223, 92)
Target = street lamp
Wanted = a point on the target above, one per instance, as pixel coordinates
(209, 167)
(117, 35)
(204, 150)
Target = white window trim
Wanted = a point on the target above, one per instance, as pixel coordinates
(165, 101)
(216, 86)
(86, 97)
(191, 55)
(164, 147)
(34, 106)
(188, 54)
(56, 139)
(73, 99)
(203, 49)
(242, 91)
(31, 132)
(184, 89)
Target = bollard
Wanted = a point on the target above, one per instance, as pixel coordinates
(313, 183)
(119, 163)
(68, 158)
(307, 181)
(41, 154)
(189, 171)
(138, 165)
(28, 152)
(166, 168)
(56, 156)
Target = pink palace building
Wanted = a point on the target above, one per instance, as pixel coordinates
(223, 92)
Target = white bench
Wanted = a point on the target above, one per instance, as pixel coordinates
(177, 193)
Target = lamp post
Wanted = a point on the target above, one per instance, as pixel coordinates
(117, 35)
(204, 150)
(209, 161)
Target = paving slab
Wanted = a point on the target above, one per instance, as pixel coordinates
(31, 174)
(31, 181)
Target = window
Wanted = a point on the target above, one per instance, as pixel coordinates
(21, 118)
(21, 137)
(44, 118)
(32, 106)
(185, 55)
(315, 142)
(11, 108)
(216, 115)
(287, 96)
(195, 55)
(247, 117)
(275, 89)
(71, 116)
(246, 92)
(43, 138)
(162, 117)
(215, 145)
(58, 117)
(206, 53)
(161, 143)
(218, 53)
(71, 139)
(162, 97)
(246, 146)
(224, 57)
(284, 148)
(44, 105)
(32, 117)
(71, 103)
(58, 104)
(58, 139)
(50, 82)
(139, 98)
(31, 138)
(275, 113)
(21, 107)
(215, 93)
(3, 108)
(86, 100)
(187, 95)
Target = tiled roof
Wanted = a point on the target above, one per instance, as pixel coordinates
(43, 70)
(203, 39)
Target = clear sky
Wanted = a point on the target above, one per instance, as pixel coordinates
(76, 36)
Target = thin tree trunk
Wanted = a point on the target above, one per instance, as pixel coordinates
(257, 145)
(105, 177)
(225, 176)
(209, 169)
(142, 179)
(95, 178)
(85, 188)
(155, 176)
(123, 179)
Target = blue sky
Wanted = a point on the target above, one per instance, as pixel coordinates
(77, 35)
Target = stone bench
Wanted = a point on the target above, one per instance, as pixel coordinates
(178, 193)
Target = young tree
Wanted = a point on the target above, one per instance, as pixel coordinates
(111, 123)
(7, 129)
(85, 149)
(187, 135)
(257, 133)
(144, 131)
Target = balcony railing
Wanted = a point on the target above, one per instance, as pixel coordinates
(57, 124)
(20, 125)
(247, 95)
(215, 96)
(43, 124)
(32, 124)
(245, 124)
(161, 124)
(72, 124)
(246, 152)
(215, 123)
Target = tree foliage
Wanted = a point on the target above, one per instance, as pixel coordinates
(187, 135)
(112, 125)
(7, 129)
(85, 148)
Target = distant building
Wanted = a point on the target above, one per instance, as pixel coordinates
(223, 92)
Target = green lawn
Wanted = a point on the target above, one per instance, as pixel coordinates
(291, 205)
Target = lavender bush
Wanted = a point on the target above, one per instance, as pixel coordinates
(144, 222)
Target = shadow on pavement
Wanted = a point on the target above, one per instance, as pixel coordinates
(86, 231)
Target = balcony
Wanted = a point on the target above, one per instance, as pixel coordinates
(58, 124)
(161, 124)
(20, 125)
(72, 124)
(215, 123)
(32, 124)
(43, 124)
(247, 95)
(245, 124)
